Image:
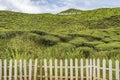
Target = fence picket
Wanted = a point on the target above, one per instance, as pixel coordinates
(61, 70)
(71, 69)
(0, 69)
(20, 66)
(94, 70)
(45, 69)
(56, 70)
(30, 69)
(10, 70)
(91, 69)
(25, 70)
(110, 70)
(98, 68)
(50, 69)
(76, 69)
(66, 69)
(5, 69)
(104, 69)
(35, 70)
(40, 69)
(117, 70)
(87, 69)
(81, 69)
(15, 69)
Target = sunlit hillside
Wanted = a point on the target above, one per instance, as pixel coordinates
(93, 33)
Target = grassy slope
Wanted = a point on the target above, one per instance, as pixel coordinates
(72, 10)
(93, 33)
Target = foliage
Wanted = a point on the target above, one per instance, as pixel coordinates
(91, 34)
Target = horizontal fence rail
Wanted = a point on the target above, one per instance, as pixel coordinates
(68, 69)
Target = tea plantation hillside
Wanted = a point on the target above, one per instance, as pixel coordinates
(91, 34)
(72, 10)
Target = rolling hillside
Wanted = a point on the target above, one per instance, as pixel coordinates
(72, 10)
(93, 33)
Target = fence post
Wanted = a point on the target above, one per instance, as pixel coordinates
(61, 69)
(0, 69)
(25, 70)
(5, 69)
(81, 70)
(20, 66)
(35, 70)
(50, 62)
(45, 68)
(87, 69)
(76, 69)
(104, 69)
(110, 69)
(56, 70)
(40, 69)
(71, 69)
(30, 69)
(66, 69)
(98, 68)
(10, 70)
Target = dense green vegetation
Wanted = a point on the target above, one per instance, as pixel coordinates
(91, 34)
(72, 10)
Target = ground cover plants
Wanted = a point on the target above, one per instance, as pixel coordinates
(91, 34)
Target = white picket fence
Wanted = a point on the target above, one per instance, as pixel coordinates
(68, 69)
